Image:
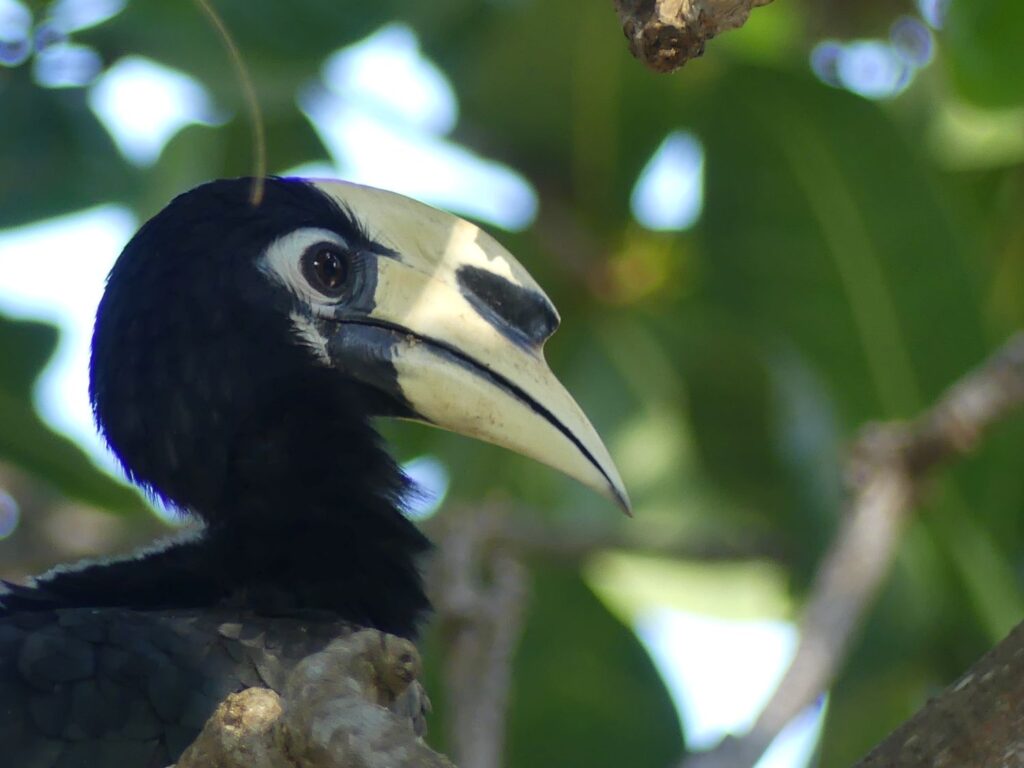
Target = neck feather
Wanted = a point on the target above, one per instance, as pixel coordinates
(308, 519)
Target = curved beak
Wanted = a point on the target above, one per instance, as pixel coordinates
(455, 332)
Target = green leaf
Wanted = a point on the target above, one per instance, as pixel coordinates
(579, 667)
(584, 691)
(822, 228)
(27, 443)
(865, 710)
(985, 55)
(57, 157)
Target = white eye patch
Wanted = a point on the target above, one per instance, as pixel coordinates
(282, 261)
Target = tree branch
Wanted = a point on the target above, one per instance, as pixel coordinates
(356, 704)
(479, 589)
(977, 721)
(481, 594)
(665, 34)
(521, 532)
(888, 467)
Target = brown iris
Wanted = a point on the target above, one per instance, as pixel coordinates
(325, 266)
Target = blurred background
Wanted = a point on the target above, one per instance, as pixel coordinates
(815, 226)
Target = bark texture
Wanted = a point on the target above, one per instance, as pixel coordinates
(977, 721)
(665, 34)
(356, 704)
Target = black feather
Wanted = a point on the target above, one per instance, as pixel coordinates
(211, 403)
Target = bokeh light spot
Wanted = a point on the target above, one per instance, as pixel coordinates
(53, 271)
(913, 40)
(66, 65)
(73, 15)
(143, 104)
(706, 662)
(380, 110)
(669, 193)
(10, 514)
(825, 61)
(933, 11)
(15, 21)
(14, 52)
(431, 479)
(46, 34)
(873, 69)
(386, 71)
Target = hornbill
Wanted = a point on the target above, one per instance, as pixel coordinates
(240, 353)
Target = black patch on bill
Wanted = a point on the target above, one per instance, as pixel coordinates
(521, 314)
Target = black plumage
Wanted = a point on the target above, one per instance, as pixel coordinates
(117, 687)
(213, 405)
(240, 354)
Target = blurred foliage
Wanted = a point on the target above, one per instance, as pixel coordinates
(30, 444)
(853, 258)
(583, 692)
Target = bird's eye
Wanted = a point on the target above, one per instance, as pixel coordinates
(326, 268)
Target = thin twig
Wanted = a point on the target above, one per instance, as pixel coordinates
(889, 465)
(523, 532)
(252, 102)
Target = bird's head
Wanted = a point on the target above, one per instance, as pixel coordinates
(332, 301)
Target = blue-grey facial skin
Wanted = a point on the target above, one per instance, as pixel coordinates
(357, 347)
(366, 353)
